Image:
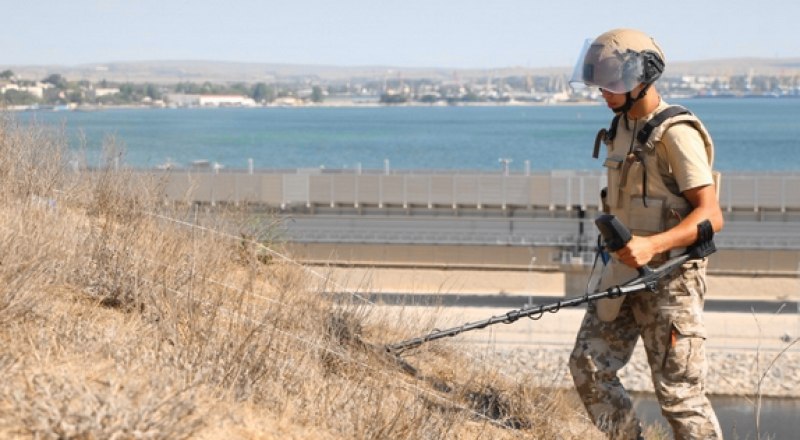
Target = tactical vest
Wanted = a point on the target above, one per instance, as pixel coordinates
(643, 198)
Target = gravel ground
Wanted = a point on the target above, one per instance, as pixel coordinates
(730, 373)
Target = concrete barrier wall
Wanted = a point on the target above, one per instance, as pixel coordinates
(554, 190)
(748, 245)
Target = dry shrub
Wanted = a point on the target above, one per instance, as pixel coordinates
(146, 320)
(17, 301)
(32, 159)
(66, 405)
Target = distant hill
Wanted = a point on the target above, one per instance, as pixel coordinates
(221, 71)
(737, 66)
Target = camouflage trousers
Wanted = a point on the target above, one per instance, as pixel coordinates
(670, 323)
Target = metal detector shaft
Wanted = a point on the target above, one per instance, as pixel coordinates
(643, 282)
(616, 236)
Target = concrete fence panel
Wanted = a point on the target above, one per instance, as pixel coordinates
(369, 190)
(248, 189)
(178, 187)
(491, 190)
(466, 190)
(516, 190)
(417, 189)
(223, 188)
(560, 190)
(769, 193)
(393, 191)
(441, 187)
(295, 189)
(320, 190)
(201, 187)
(539, 191)
(740, 193)
(344, 189)
(791, 192)
(272, 189)
(554, 190)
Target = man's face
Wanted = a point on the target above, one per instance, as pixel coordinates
(616, 100)
(613, 100)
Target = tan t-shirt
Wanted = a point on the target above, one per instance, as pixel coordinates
(682, 159)
(682, 153)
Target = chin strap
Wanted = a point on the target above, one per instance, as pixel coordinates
(630, 101)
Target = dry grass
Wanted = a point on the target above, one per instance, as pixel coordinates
(119, 321)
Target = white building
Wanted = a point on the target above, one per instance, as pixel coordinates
(225, 101)
(37, 90)
(105, 91)
(187, 100)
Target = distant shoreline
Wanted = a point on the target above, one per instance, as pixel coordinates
(315, 105)
(343, 104)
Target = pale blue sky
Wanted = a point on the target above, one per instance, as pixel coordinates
(408, 33)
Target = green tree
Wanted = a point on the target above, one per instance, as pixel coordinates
(6, 74)
(316, 94)
(152, 91)
(207, 88)
(239, 88)
(189, 88)
(56, 80)
(76, 96)
(53, 96)
(263, 93)
(388, 98)
(471, 97)
(15, 97)
(429, 98)
(127, 90)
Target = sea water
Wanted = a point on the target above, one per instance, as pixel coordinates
(750, 135)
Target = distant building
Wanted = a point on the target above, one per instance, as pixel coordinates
(182, 100)
(289, 101)
(104, 91)
(187, 100)
(226, 101)
(37, 90)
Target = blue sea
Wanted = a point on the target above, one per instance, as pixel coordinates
(758, 134)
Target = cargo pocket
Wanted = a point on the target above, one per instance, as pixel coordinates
(646, 218)
(684, 358)
(684, 354)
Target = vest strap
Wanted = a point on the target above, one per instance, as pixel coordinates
(601, 136)
(612, 130)
(652, 124)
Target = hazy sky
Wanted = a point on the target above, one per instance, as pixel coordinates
(409, 33)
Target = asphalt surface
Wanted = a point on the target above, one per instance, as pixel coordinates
(517, 231)
(516, 302)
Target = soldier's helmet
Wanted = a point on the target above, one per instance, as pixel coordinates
(618, 61)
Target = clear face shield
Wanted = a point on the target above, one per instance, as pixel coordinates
(607, 68)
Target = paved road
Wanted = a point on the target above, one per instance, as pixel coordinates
(513, 231)
(514, 302)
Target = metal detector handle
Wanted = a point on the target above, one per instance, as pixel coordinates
(616, 236)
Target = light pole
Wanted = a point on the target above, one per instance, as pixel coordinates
(505, 161)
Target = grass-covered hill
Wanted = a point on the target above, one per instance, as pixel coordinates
(123, 317)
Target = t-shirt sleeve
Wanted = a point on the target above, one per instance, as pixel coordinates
(686, 154)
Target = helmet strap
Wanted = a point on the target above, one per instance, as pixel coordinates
(630, 101)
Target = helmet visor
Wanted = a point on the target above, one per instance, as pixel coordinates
(608, 69)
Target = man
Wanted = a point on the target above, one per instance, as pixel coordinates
(661, 186)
